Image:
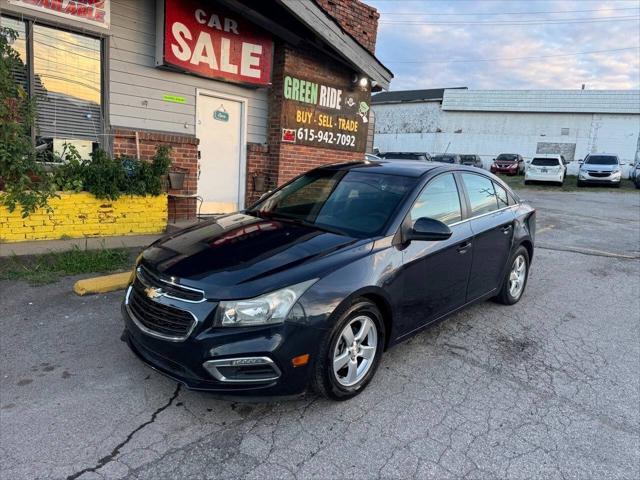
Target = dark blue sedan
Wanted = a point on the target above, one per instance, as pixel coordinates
(311, 285)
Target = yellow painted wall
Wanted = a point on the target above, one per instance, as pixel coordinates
(79, 215)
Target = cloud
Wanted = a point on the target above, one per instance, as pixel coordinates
(442, 51)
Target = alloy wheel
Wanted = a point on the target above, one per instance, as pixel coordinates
(355, 350)
(517, 276)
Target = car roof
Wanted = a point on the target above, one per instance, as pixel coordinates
(405, 168)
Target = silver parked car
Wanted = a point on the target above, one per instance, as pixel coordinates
(600, 168)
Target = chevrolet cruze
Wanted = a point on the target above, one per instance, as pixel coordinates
(311, 285)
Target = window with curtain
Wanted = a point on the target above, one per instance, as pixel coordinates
(66, 80)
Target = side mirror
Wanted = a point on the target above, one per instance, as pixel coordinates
(580, 161)
(428, 229)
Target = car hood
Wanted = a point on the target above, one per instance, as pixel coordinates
(240, 255)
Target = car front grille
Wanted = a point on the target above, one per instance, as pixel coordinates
(157, 319)
(599, 174)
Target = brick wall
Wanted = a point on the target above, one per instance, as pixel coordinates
(358, 19)
(79, 215)
(184, 158)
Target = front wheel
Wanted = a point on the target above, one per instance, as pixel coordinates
(350, 354)
(516, 277)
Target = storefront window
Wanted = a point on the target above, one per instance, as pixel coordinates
(20, 45)
(66, 85)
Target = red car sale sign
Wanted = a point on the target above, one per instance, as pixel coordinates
(202, 38)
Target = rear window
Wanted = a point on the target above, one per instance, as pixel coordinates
(545, 162)
(444, 158)
(601, 160)
(403, 156)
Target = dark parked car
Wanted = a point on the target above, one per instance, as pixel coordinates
(447, 158)
(423, 156)
(509, 163)
(471, 160)
(309, 286)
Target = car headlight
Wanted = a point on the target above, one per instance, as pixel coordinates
(615, 170)
(266, 309)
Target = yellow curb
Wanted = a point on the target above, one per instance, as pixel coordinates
(104, 284)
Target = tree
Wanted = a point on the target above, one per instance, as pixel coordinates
(23, 181)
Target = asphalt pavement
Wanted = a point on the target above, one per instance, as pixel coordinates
(548, 389)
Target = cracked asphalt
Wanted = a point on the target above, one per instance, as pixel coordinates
(549, 388)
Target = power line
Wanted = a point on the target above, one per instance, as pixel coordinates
(514, 58)
(508, 13)
(526, 22)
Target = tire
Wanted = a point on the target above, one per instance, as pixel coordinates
(580, 184)
(561, 182)
(527, 182)
(337, 385)
(507, 296)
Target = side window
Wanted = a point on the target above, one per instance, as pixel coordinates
(481, 193)
(438, 200)
(501, 194)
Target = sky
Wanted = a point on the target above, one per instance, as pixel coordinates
(438, 43)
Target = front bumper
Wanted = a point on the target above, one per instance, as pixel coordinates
(185, 361)
(508, 170)
(612, 179)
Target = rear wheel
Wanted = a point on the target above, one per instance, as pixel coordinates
(516, 277)
(350, 354)
(580, 183)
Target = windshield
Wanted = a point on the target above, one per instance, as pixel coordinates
(601, 160)
(507, 157)
(403, 156)
(444, 158)
(467, 158)
(545, 162)
(356, 204)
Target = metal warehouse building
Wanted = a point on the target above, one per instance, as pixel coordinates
(490, 122)
(248, 93)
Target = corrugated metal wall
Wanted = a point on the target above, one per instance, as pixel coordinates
(426, 127)
(137, 87)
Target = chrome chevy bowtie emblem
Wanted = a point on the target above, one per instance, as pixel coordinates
(153, 292)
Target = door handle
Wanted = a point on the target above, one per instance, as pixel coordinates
(506, 229)
(464, 247)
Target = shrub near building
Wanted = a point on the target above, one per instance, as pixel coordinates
(97, 197)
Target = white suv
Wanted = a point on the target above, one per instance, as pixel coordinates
(602, 168)
(546, 168)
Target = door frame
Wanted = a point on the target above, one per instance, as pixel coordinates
(244, 104)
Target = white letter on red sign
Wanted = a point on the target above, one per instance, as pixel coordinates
(182, 50)
(203, 51)
(225, 54)
(248, 61)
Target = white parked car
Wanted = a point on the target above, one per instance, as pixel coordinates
(546, 168)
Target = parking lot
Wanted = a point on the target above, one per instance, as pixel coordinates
(547, 389)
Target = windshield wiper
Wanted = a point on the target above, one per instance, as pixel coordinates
(299, 221)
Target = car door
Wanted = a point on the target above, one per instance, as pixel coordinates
(435, 274)
(492, 223)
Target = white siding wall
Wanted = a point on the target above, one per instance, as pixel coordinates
(137, 86)
(425, 127)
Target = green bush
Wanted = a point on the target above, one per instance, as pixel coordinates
(109, 178)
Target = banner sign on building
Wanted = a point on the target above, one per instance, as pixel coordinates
(202, 38)
(94, 12)
(325, 116)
